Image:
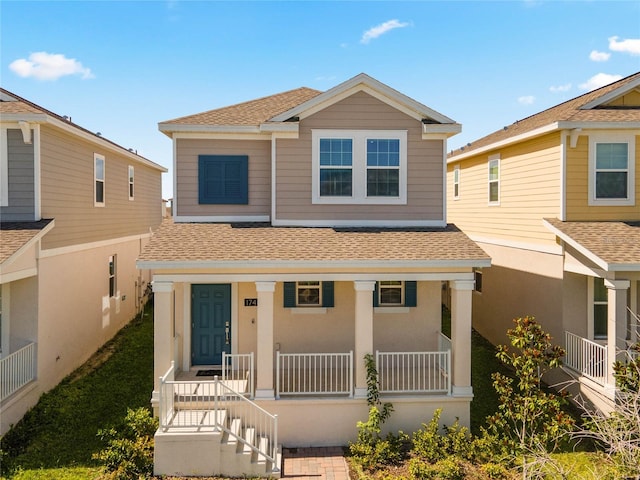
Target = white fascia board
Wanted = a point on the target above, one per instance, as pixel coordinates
(360, 223)
(277, 127)
(433, 131)
(283, 277)
(373, 87)
(624, 267)
(507, 141)
(534, 247)
(19, 275)
(221, 136)
(599, 126)
(611, 95)
(24, 117)
(584, 251)
(197, 265)
(170, 128)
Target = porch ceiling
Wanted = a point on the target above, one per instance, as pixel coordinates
(614, 246)
(259, 243)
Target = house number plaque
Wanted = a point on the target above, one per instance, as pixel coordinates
(250, 302)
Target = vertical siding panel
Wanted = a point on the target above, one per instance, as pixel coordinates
(21, 179)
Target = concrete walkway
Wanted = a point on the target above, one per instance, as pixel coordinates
(314, 463)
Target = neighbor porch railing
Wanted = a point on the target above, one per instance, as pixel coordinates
(414, 372)
(236, 368)
(17, 369)
(586, 357)
(198, 406)
(314, 374)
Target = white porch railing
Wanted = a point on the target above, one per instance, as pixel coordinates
(414, 372)
(213, 405)
(586, 357)
(314, 374)
(17, 369)
(238, 367)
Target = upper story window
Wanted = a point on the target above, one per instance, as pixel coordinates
(456, 182)
(99, 176)
(494, 180)
(359, 166)
(223, 179)
(131, 186)
(612, 169)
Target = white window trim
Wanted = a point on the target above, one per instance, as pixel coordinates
(456, 182)
(591, 326)
(400, 287)
(115, 275)
(96, 157)
(6, 319)
(309, 305)
(359, 166)
(630, 140)
(131, 182)
(4, 168)
(493, 158)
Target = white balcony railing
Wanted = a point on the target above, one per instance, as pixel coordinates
(237, 369)
(314, 374)
(414, 372)
(201, 406)
(17, 369)
(586, 357)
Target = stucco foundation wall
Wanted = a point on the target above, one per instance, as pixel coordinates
(330, 422)
(519, 283)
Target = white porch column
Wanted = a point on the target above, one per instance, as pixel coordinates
(616, 322)
(364, 333)
(461, 337)
(264, 355)
(163, 300)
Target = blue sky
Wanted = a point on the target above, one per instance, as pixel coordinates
(120, 67)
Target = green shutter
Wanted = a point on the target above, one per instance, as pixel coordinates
(410, 294)
(223, 179)
(289, 294)
(327, 294)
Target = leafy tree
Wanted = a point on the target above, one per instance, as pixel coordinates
(530, 421)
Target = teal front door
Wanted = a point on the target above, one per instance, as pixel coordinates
(210, 323)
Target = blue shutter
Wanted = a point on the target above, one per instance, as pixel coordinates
(376, 295)
(410, 294)
(223, 179)
(327, 294)
(289, 294)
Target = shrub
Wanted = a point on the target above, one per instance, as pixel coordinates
(445, 469)
(429, 445)
(129, 451)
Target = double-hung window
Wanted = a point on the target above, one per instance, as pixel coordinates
(308, 293)
(600, 308)
(131, 189)
(98, 173)
(359, 166)
(611, 164)
(494, 180)
(395, 293)
(456, 182)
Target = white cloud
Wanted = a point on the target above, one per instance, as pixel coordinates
(526, 100)
(599, 80)
(49, 66)
(375, 32)
(630, 45)
(597, 56)
(560, 88)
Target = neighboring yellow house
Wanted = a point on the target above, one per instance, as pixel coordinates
(75, 211)
(554, 199)
(309, 230)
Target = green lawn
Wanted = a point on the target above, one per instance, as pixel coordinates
(61, 430)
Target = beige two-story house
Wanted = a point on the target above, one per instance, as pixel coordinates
(555, 200)
(309, 231)
(75, 211)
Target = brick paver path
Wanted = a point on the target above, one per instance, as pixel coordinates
(314, 463)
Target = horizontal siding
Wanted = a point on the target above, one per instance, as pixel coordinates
(578, 208)
(529, 191)
(359, 112)
(186, 194)
(67, 179)
(21, 195)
